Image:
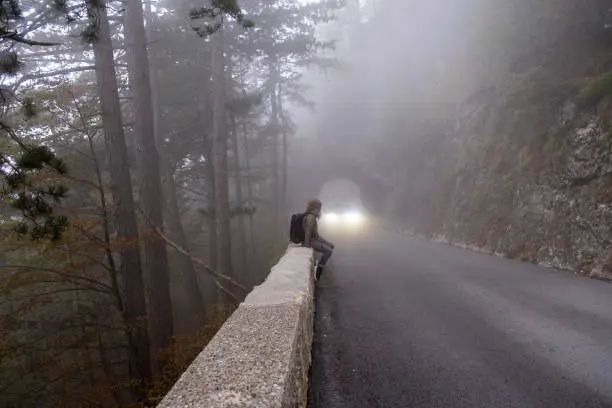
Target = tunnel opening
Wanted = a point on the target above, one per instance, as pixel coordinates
(319, 172)
(340, 191)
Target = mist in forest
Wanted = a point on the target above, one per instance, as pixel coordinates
(153, 151)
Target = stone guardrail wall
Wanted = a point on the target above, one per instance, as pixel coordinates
(261, 355)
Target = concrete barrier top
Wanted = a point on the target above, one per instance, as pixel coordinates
(261, 355)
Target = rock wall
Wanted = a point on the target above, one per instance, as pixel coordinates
(261, 356)
(529, 183)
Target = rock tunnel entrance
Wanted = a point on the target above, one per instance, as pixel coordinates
(325, 176)
(341, 191)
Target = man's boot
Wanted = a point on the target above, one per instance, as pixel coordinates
(318, 272)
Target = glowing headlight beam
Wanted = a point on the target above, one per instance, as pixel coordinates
(331, 217)
(354, 217)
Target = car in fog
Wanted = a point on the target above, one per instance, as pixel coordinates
(343, 216)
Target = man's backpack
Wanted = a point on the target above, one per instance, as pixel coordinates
(297, 235)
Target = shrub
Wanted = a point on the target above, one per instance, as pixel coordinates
(595, 91)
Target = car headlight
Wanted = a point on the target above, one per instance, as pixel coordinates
(331, 217)
(354, 217)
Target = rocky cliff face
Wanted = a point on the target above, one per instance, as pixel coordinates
(525, 169)
(533, 184)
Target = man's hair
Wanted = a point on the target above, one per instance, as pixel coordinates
(314, 204)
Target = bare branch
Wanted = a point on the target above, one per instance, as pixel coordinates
(64, 71)
(62, 274)
(208, 269)
(14, 36)
(30, 77)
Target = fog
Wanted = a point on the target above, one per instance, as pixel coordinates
(340, 191)
(154, 151)
(410, 73)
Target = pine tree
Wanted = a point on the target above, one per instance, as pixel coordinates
(213, 18)
(21, 162)
(184, 134)
(172, 215)
(285, 37)
(150, 191)
(121, 186)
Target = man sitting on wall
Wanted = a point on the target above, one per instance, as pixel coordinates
(305, 231)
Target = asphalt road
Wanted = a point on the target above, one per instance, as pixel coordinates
(402, 322)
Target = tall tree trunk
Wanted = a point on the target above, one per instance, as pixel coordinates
(274, 151)
(205, 113)
(213, 241)
(189, 279)
(222, 211)
(154, 78)
(135, 312)
(172, 216)
(242, 238)
(151, 199)
(284, 151)
(249, 184)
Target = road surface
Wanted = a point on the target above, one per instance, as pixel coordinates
(402, 322)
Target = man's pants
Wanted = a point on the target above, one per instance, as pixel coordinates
(325, 248)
